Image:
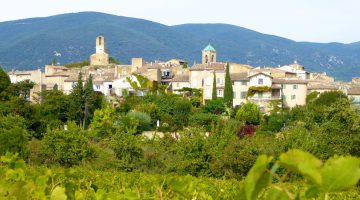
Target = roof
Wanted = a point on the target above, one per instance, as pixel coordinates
(289, 81)
(353, 91)
(321, 86)
(209, 47)
(239, 76)
(259, 74)
(181, 78)
(208, 66)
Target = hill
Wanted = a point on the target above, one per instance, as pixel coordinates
(30, 43)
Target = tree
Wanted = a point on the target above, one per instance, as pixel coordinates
(89, 100)
(76, 108)
(214, 93)
(215, 106)
(249, 113)
(228, 93)
(13, 135)
(67, 148)
(328, 98)
(4, 80)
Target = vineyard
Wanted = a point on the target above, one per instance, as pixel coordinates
(334, 179)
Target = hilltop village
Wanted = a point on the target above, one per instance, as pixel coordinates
(290, 84)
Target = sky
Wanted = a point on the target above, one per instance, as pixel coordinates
(299, 20)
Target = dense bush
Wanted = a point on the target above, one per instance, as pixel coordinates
(13, 135)
(249, 113)
(66, 147)
(203, 119)
(216, 106)
(143, 119)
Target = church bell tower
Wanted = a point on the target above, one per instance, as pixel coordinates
(208, 54)
(100, 44)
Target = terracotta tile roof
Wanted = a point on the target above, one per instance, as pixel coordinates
(209, 66)
(321, 86)
(289, 81)
(180, 78)
(260, 73)
(239, 76)
(353, 91)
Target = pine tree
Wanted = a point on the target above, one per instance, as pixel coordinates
(214, 93)
(228, 93)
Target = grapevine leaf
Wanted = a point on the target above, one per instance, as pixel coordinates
(340, 173)
(275, 194)
(58, 194)
(302, 162)
(258, 178)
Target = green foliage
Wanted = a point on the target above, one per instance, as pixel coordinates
(255, 89)
(143, 119)
(216, 106)
(127, 149)
(203, 119)
(113, 60)
(78, 64)
(4, 80)
(249, 113)
(103, 123)
(13, 135)
(311, 97)
(66, 147)
(54, 105)
(328, 98)
(214, 91)
(228, 91)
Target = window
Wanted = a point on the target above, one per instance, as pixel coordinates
(220, 93)
(295, 87)
(260, 81)
(218, 80)
(234, 97)
(283, 97)
(243, 83)
(99, 40)
(212, 58)
(243, 95)
(206, 59)
(177, 84)
(98, 87)
(293, 97)
(110, 86)
(260, 94)
(283, 86)
(202, 82)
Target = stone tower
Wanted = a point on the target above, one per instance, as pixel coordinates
(208, 54)
(100, 44)
(101, 57)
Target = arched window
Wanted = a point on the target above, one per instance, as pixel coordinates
(99, 40)
(206, 59)
(212, 58)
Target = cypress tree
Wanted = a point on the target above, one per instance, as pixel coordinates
(89, 98)
(76, 110)
(214, 93)
(228, 93)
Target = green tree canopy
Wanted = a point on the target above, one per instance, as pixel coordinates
(249, 113)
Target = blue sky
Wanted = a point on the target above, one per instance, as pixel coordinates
(300, 20)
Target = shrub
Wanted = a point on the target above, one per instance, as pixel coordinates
(203, 119)
(66, 148)
(144, 120)
(13, 135)
(249, 113)
(215, 106)
(328, 98)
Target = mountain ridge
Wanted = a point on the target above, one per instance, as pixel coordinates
(30, 43)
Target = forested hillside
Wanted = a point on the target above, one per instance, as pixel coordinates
(30, 43)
